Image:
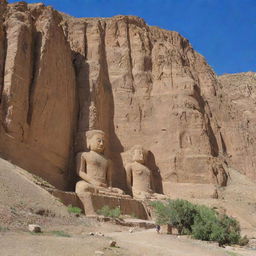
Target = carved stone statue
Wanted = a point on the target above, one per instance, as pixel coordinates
(94, 168)
(139, 176)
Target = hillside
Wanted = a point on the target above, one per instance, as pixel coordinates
(24, 201)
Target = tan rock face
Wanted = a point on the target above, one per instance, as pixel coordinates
(238, 121)
(155, 89)
(139, 84)
(2, 45)
(38, 92)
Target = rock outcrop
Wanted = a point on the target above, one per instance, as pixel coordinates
(38, 95)
(238, 121)
(61, 76)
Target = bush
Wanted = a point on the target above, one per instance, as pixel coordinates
(162, 212)
(73, 209)
(108, 212)
(210, 226)
(204, 223)
(178, 213)
(201, 222)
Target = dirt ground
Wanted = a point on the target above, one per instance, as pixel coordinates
(138, 243)
(24, 202)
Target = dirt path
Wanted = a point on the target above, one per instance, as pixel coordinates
(25, 244)
(139, 243)
(149, 243)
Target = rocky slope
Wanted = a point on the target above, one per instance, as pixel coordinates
(60, 76)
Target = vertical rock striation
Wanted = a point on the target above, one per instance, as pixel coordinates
(38, 101)
(238, 121)
(147, 86)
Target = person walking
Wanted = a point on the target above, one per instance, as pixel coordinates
(158, 228)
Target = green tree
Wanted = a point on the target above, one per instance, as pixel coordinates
(178, 213)
(199, 221)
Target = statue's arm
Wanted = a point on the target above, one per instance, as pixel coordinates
(81, 169)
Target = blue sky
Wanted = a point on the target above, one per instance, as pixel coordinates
(224, 31)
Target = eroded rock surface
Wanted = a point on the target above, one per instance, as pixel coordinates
(238, 121)
(61, 76)
(156, 90)
(38, 100)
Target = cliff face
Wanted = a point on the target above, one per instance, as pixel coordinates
(60, 76)
(37, 91)
(238, 121)
(144, 85)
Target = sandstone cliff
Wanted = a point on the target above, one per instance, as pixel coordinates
(60, 76)
(238, 120)
(38, 102)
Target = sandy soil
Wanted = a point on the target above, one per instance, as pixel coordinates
(138, 243)
(147, 242)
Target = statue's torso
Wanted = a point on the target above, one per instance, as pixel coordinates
(96, 166)
(141, 177)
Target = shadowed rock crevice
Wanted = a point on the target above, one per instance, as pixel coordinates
(202, 104)
(129, 53)
(224, 147)
(35, 60)
(157, 178)
(3, 47)
(108, 111)
(83, 89)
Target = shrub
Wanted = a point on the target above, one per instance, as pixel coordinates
(178, 213)
(73, 209)
(182, 215)
(204, 223)
(162, 212)
(201, 222)
(108, 212)
(210, 226)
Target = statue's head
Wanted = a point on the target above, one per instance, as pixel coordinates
(139, 154)
(96, 140)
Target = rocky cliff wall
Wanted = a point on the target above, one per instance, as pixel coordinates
(38, 91)
(238, 120)
(156, 90)
(61, 76)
